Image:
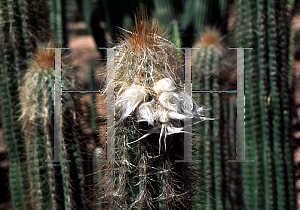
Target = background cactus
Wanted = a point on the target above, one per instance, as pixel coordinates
(13, 28)
(52, 186)
(30, 175)
(207, 74)
(268, 105)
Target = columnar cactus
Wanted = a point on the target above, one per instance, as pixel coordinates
(13, 51)
(150, 109)
(52, 185)
(207, 66)
(265, 26)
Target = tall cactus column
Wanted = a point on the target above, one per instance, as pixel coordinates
(207, 66)
(264, 25)
(52, 185)
(14, 50)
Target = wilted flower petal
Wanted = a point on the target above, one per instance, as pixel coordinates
(171, 130)
(186, 103)
(162, 114)
(201, 110)
(168, 129)
(130, 99)
(146, 112)
(177, 116)
(164, 85)
(169, 100)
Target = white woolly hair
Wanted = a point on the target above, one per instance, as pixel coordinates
(130, 99)
(165, 107)
(165, 84)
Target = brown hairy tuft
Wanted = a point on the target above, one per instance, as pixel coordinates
(144, 34)
(210, 37)
(44, 58)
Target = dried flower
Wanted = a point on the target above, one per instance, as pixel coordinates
(130, 99)
(165, 84)
(166, 106)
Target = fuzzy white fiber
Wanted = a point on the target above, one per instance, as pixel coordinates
(146, 112)
(130, 99)
(167, 107)
(164, 85)
(170, 101)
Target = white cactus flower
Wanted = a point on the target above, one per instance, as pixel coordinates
(130, 99)
(186, 103)
(164, 85)
(169, 100)
(146, 112)
(162, 112)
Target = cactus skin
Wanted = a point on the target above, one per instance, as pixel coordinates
(55, 19)
(94, 119)
(10, 129)
(176, 34)
(265, 27)
(52, 186)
